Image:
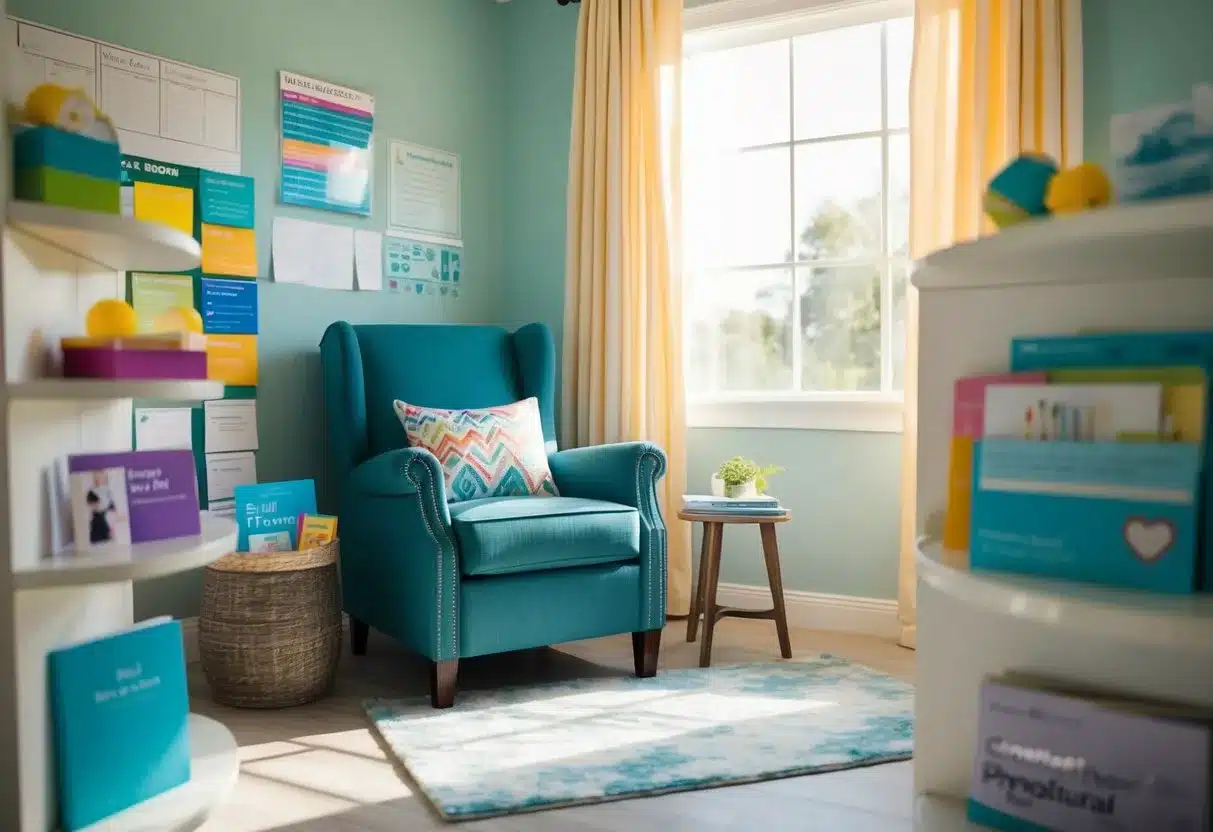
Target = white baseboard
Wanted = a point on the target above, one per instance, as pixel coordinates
(819, 610)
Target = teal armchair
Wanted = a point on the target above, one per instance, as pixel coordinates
(463, 579)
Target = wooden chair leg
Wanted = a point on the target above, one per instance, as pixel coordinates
(359, 630)
(697, 597)
(645, 647)
(443, 683)
(770, 552)
(716, 530)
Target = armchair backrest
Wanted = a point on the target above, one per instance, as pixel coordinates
(367, 366)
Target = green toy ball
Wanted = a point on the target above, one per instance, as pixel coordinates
(1018, 192)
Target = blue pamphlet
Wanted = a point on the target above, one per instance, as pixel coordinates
(229, 306)
(272, 507)
(226, 199)
(121, 720)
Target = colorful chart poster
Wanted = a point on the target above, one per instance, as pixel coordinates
(229, 307)
(153, 295)
(232, 359)
(416, 267)
(226, 199)
(229, 251)
(327, 157)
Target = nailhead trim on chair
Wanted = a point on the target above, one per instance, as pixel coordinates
(423, 485)
(646, 501)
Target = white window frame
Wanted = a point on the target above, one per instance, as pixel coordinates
(730, 23)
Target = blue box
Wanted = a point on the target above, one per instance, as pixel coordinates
(50, 147)
(1191, 348)
(1116, 513)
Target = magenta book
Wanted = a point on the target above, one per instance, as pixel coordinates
(969, 399)
(133, 497)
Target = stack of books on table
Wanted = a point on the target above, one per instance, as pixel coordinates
(760, 506)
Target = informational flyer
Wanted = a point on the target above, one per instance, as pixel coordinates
(425, 198)
(327, 157)
(417, 267)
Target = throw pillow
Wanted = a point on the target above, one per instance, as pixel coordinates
(495, 452)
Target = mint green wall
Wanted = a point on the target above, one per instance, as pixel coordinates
(841, 487)
(441, 86)
(1137, 54)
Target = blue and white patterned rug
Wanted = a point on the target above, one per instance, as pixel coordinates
(593, 740)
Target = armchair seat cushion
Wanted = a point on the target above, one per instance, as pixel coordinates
(506, 535)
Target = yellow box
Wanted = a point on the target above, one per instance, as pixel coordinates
(232, 359)
(229, 251)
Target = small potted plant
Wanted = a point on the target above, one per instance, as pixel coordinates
(741, 477)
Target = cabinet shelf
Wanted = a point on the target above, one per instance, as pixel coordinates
(92, 389)
(132, 563)
(214, 767)
(1130, 616)
(1120, 244)
(111, 241)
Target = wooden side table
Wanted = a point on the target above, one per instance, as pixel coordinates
(703, 602)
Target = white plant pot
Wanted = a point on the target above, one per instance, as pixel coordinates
(719, 489)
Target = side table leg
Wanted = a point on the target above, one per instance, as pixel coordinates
(716, 531)
(770, 552)
(697, 597)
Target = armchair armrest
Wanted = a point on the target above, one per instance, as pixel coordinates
(626, 473)
(399, 560)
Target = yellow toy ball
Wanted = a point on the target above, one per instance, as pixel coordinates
(1079, 188)
(111, 318)
(180, 319)
(62, 107)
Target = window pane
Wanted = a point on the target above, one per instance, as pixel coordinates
(738, 97)
(837, 78)
(838, 199)
(740, 331)
(737, 208)
(901, 51)
(840, 328)
(899, 195)
(897, 320)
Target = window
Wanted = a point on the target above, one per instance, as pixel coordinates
(795, 219)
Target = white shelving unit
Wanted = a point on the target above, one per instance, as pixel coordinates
(1128, 267)
(55, 264)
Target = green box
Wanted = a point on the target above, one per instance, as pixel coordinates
(71, 190)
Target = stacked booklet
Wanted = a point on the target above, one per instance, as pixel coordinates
(758, 506)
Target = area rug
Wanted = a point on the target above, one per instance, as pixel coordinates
(589, 741)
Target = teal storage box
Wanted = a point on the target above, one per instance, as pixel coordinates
(1116, 513)
(50, 147)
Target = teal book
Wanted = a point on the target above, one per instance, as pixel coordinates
(267, 513)
(120, 713)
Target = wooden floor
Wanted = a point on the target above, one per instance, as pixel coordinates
(317, 768)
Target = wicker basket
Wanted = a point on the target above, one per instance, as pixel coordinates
(269, 632)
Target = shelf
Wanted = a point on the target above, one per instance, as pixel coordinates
(1132, 242)
(84, 389)
(214, 767)
(116, 243)
(1135, 617)
(132, 563)
(941, 814)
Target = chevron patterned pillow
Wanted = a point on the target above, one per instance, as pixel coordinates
(495, 452)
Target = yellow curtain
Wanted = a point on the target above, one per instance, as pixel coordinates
(622, 370)
(991, 79)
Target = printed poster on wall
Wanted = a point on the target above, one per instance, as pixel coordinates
(416, 267)
(425, 200)
(327, 157)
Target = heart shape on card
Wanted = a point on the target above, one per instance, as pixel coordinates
(1149, 539)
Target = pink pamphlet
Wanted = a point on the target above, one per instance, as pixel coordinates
(969, 400)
